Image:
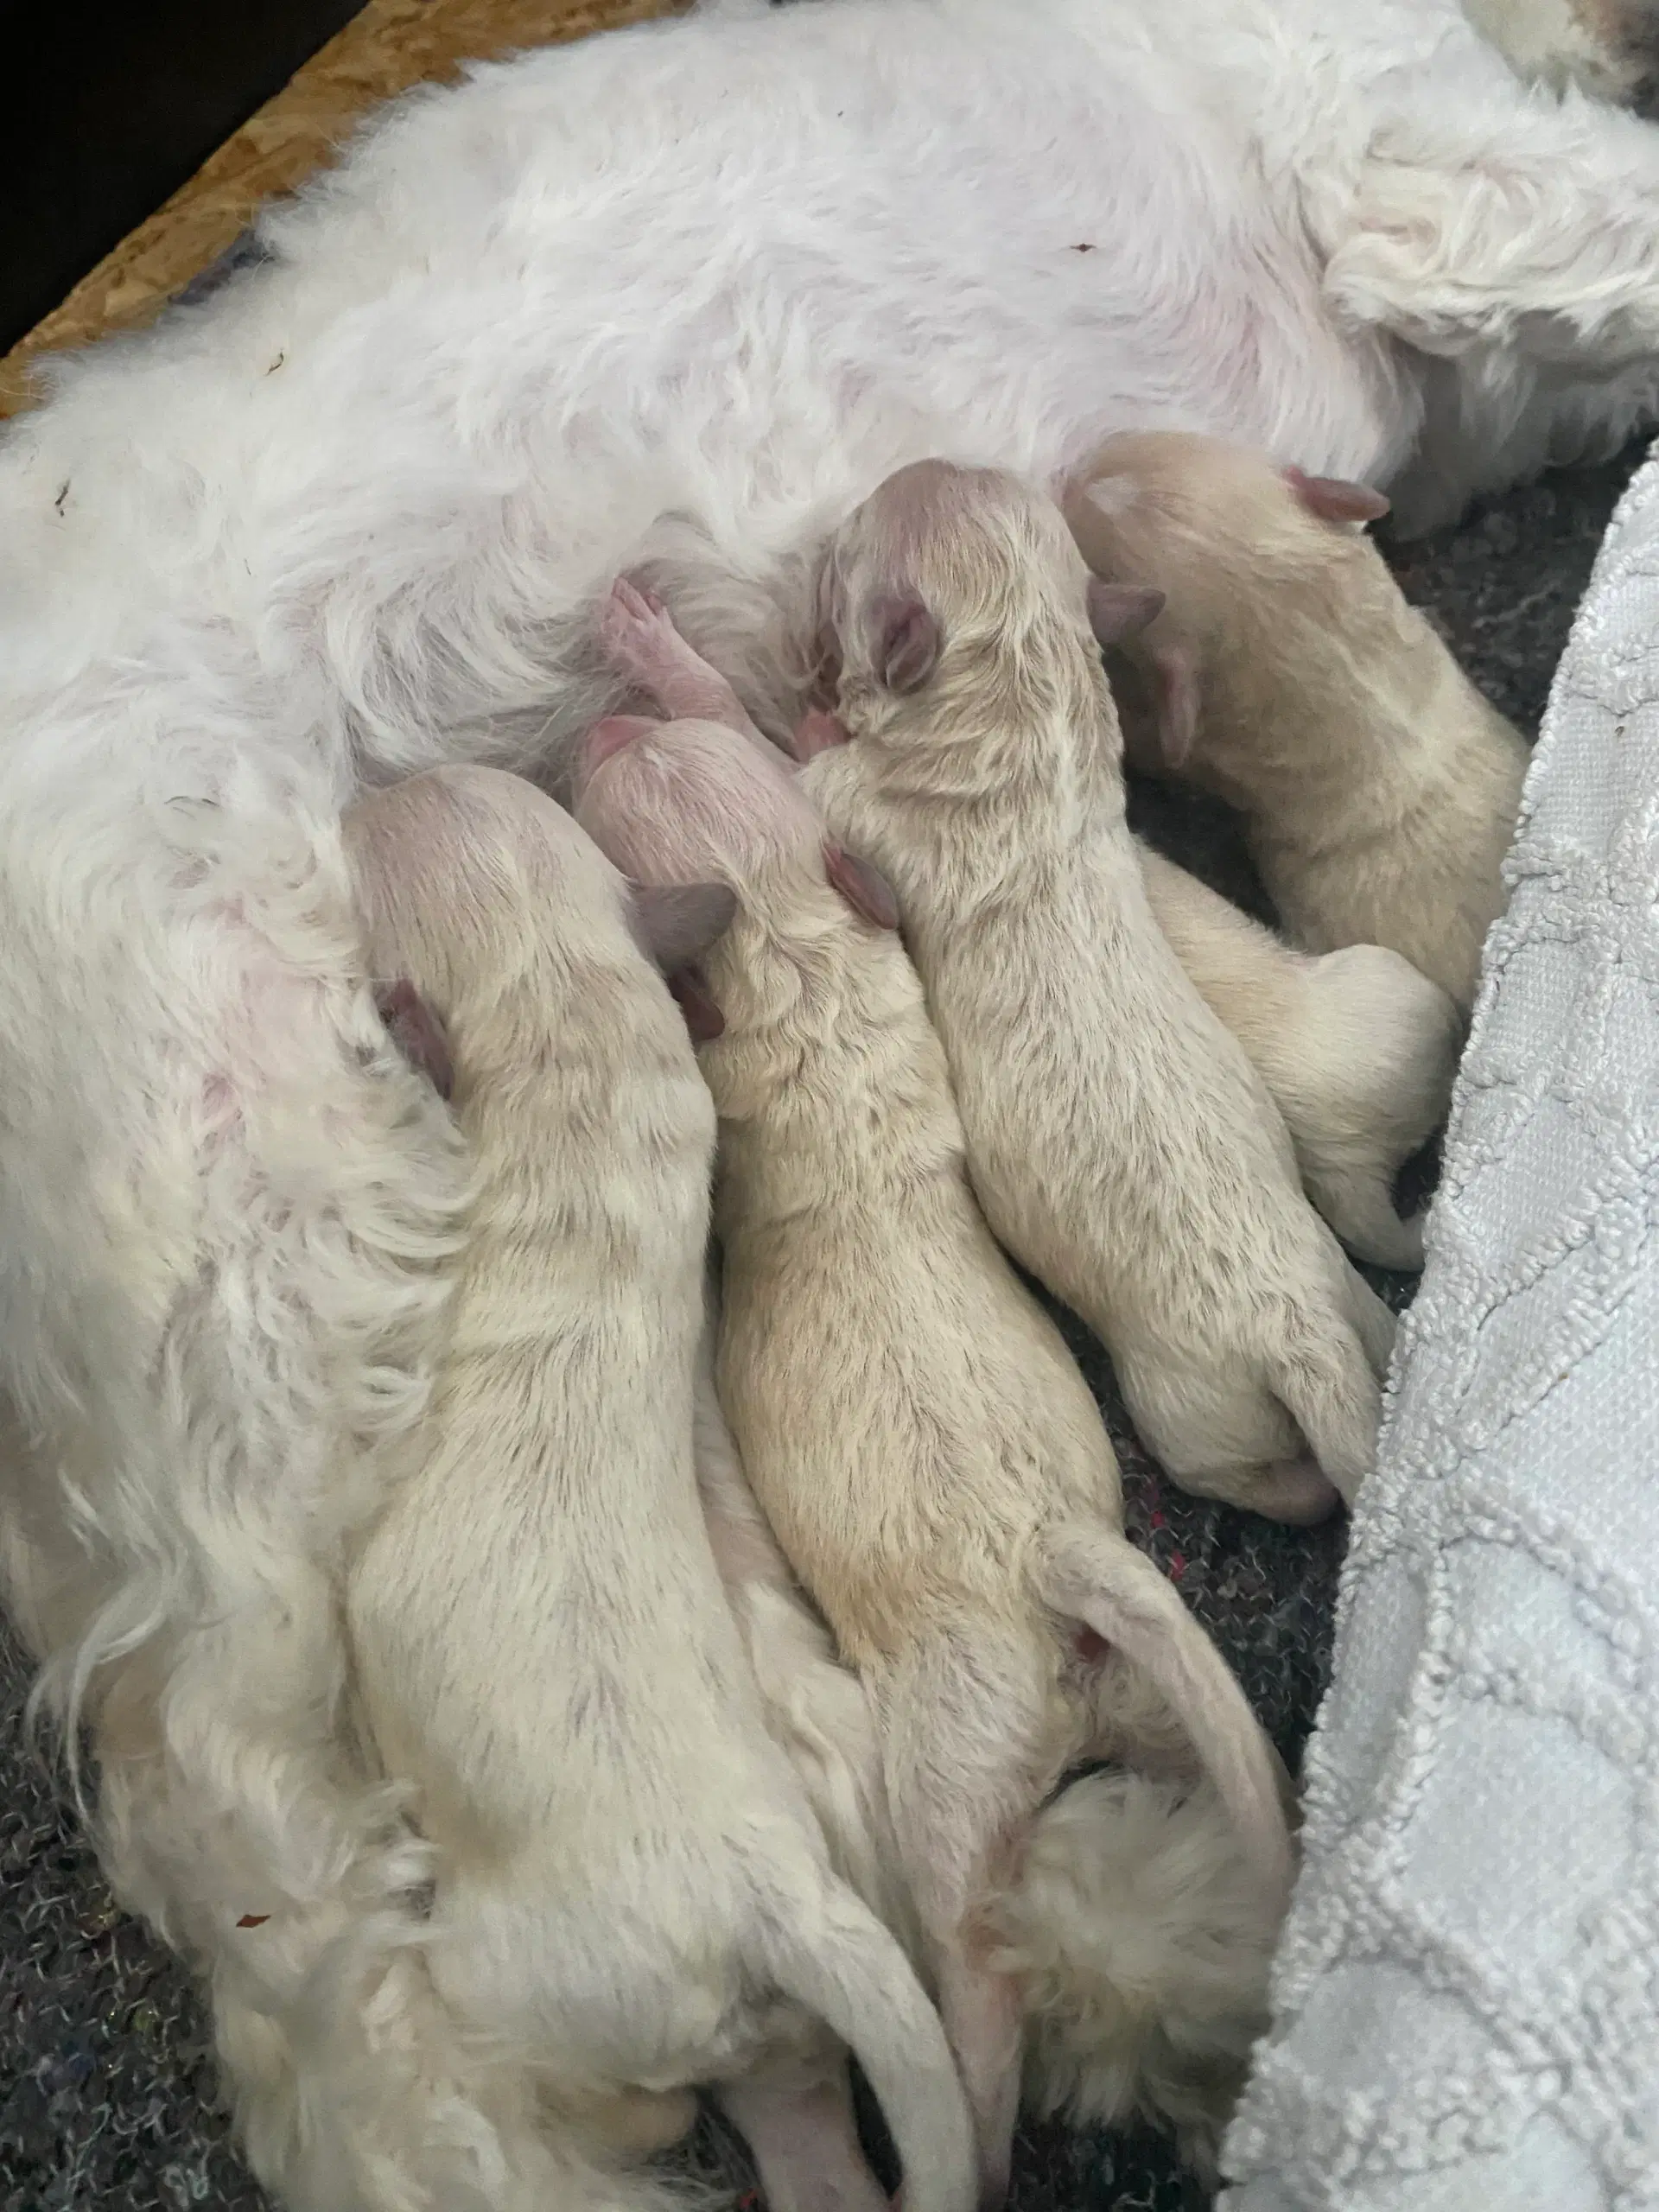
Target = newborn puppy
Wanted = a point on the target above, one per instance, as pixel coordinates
(1121, 1145)
(633, 1897)
(1357, 1049)
(1286, 673)
(917, 1433)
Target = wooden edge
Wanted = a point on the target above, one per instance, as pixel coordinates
(391, 46)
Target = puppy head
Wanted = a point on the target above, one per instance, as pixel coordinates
(951, 584)
(677, 802)
(470, 882)
(1246, 554)
(453, 865)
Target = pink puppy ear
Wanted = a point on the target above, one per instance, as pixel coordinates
(907, 642)
(1118, 610)
(866, 890)
(1333, 499)
(816, 732)
(417, 1031)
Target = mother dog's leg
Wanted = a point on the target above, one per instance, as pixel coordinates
(224, 1207)
(1513, 238)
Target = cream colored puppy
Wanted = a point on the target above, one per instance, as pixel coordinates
(917, 1433)
(631, 1895)
(1288, 674)
(1121, 1145)
(1357, 1049)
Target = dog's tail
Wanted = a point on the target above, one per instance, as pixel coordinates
(1143, 1918)
(824, 1948)
(1095, 1576)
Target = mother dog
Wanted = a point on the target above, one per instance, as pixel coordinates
(673, 300)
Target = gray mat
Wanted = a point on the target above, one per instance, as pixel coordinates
(106, 2080)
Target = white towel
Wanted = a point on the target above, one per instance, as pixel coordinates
(1467, 2000)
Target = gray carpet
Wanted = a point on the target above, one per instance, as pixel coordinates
(106, 2081)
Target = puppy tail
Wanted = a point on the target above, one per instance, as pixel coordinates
(1095, 1576)
(824, 1947)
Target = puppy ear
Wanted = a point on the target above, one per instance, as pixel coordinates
(906, 641)
(696, 1002)
(417, 1031)
(816, 732)
(678, 921)
(1118, 610)
(1333, 499)
(866, 890)
(1175, 702)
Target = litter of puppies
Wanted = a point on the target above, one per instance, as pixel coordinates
(752, 1589)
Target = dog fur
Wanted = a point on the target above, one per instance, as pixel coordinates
(1356, 1049)
(631, 1896)
(1288, 672)
(926, 1452)
(681, 294)
(1121, 1145)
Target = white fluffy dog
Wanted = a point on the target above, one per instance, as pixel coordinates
(683, 294)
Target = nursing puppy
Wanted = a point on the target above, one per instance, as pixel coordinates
(1122, 1147)
(1287, 673)
(914, 1428)
(630, 1895)
(1356, 1049)
(676, 298)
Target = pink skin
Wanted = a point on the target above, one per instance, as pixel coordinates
(1332, 498)
(611, 735)
(648, 651)
(642, 645)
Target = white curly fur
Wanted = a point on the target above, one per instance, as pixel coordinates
(1144, 1938)
(681, 293)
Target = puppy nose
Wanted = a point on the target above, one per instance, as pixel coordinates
(612, 734)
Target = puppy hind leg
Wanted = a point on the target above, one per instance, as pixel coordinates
(642, 645)
(1095, 1576)
(797, 2122)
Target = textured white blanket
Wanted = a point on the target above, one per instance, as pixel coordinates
(1467, 1996)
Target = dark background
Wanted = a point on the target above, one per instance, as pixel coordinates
(107, 110)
